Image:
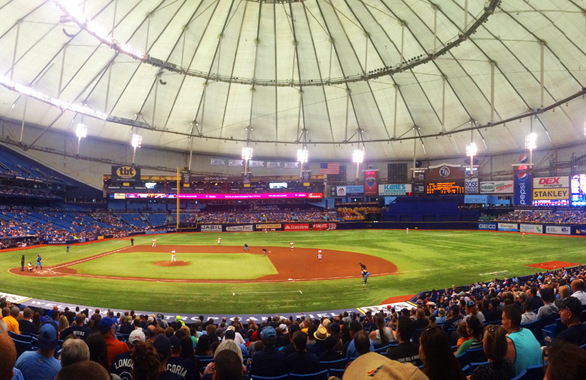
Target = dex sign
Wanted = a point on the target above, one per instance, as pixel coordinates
(551, 183)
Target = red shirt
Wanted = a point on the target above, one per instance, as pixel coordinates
(115, 347)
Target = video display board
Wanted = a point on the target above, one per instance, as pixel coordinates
(578, 190)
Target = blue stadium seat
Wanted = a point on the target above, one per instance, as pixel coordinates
(321, 375)
(463, 359)
(476, 356)
(333, 364)
(533, 373)
(22, 342)
(466, 369)
(521, 376)
(475, 365)
(204, 361)
(535, 328)
(282, 377)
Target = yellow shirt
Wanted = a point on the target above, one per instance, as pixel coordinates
(12, 324)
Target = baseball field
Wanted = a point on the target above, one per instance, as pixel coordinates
(224, 279)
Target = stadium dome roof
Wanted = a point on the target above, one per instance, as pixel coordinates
(329, 73)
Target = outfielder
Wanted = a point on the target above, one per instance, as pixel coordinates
(219, 241)
(365, 273)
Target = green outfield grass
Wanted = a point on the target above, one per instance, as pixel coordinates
(203, 266)
(426, 260)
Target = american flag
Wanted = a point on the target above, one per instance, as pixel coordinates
(329, 168)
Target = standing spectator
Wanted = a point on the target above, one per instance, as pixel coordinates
(10, 319)
(495, 348)
(41, 364)
(406, 351)
(115, 347)
(269, 361)
(8, 359)
(475, 331)
(302, 362)
(570, 314)
(25, 325)
(565, 362)
(523, 349)
(439, 362)
(73, 350)
(548, 308)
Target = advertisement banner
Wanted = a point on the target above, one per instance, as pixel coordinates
(342, 191)
(211, 228)
(218, 162)
(315, 195)
(580, 231)
(370, 183)
(551, 183)
(296, 227)
(323, 226)
(267, 226)
(292, 165)
(522, 187)
(273, 165)
(558, 230)
(471, 186)
(395, 189)
(256, 164)
(235, 162)
(496, 187)
(551, 194)
(508, 227)
(531, 228)
(119, 196)
(125, 174)
(487, 226)
(246, 228)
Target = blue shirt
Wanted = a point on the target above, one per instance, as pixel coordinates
(35, 366)
(527, 350)
(17, 375)
(351, 353)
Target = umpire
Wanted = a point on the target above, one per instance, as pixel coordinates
(22, 263)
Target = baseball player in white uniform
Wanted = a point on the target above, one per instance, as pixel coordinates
(291, 244)
(173, 256)
(319, 256)
(219, 241)
(154, 243)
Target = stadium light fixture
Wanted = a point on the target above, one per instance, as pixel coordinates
(358, 158)
(302, 157)
(471, 151)
(136, 141)
(81, 133)
(246, 156)
(531, 144)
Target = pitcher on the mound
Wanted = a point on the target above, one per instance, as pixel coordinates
(219, 241)
(173, 256)
(154, 243)
(291, 244)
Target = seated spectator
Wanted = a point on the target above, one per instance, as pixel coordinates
(126, 327)
(41, 364)
(320, 335)
(203, 346)
(228, 366)
(441, 316)
(523, 349)
(455, 318)
(25, 325)
(301, 361)
(11, 318)
(578, 291)
(439, 362)
(268, 362)
(228, 345)
(495, 348)
(362, 343)
(463, 333)
(406, 351)
(122, 364)
(163, 347)
(564, 292)
(99, 351)
(115, 347)
(73, 350)
(492, 314)
(548, 308)
(529, 315)
(363, 367)
(472, 310)
(78, 330)
(231, 335)
(177, 365)
(570, 314)
(8, 359)
(145, 362)
(420, 319)
(351, 352)
(475, 331)
(534, 297)
(84, 370)
(382, 335)
(330, 353)
(565, 362)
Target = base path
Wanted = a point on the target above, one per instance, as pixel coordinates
(299, 264)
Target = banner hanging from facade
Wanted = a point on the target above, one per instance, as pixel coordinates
(371, 183)
(522, 186)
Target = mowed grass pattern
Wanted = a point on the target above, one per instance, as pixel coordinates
(203, 266)
(426, 260)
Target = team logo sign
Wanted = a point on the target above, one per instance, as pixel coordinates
(444, 171)
(523, 158)
(522, 175)
(126, 172)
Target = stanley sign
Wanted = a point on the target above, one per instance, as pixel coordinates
(551, 194)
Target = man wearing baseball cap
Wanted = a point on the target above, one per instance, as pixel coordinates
(163, 347)
(269, 361)
(179, 366)
(41, 364)
(115, 347)
(570, 314)
(122, 365)
(375, 366)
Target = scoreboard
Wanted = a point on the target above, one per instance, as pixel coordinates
(442, 188)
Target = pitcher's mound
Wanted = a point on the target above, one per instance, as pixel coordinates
(171, 263)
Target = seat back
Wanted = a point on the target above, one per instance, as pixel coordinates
(338, 364)
(535, 372)
(21, 342)
(282, 377)
(475, 365)
(204, 361)
(535, 328)
(476, 356)
(321, 375)
(463, 359)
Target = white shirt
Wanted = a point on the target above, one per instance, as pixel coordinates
(580, 295)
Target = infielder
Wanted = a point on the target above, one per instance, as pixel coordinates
(39, 262)
(246, 247)
(173, 256)
(291, 244)
(265, 251)
(219, 241)
(523, 235)
(319, 256)
(154, 243)
(365, 273)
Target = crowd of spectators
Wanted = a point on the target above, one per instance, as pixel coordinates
(27, 192)
(542, 216)
(262, 216)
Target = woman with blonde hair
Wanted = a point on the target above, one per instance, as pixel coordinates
(63, 323)
(495, 348)
(441, 316)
